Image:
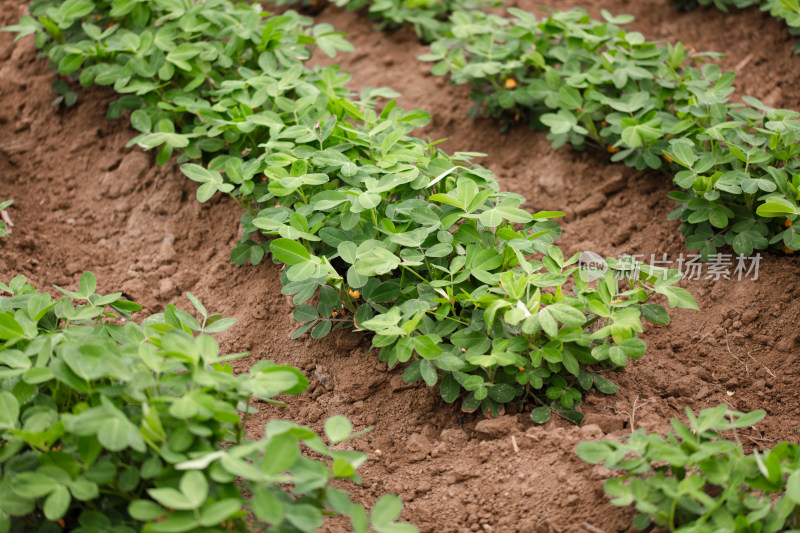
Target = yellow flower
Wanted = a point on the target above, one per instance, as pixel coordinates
(510, 83)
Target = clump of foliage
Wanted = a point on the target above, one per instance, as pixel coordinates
(393, 235)
(696, 481)
(650, 105)
(4, 231)
(108, 425)
(168, 58)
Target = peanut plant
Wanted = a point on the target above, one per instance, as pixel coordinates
(696, 481)
(109, 425)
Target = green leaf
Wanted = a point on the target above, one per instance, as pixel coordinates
(593, 452)
(171, 498)
(206, 191)
(9, 327)
(338, 428)
(220, 511)
(428, 372)
(305, 517)
(74, 9)
(219, 325)
(548, 323)
(57, 504)
(197, 304)
(117, 433)
(9, 410)
(604, 385)
(386, 510)
(140, 121)
(678, 297)
(655, 314)
(567, 314)
(27, 25)
(750, 419)
(634, 134)
(145, 510)
(178, 522)
(180, 55)
(283, 452)
(267, 507)
(322, 328)
(272, 381)
(305, 313)
(33, 485)
(289, 251)
(486, 259)
(412, 373)
(502, 392)
(84, 490)
(777, 207)
(793, 487)
(617, 356)
(200, 174)
(634, 347)
(347, 251)
(301, 330)
(559, 123)
(570, 97)
(195, 487)
(540, 415)
(426, 347)
(683, 152)
(449, 388)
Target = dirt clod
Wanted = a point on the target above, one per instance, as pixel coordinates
(497, 427)
(593, 203)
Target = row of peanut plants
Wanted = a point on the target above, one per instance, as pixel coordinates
(107, 425)
(652, 105)
(592, 82)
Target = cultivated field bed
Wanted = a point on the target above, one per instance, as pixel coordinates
(85, 202)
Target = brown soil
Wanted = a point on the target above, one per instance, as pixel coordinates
(84, 201)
